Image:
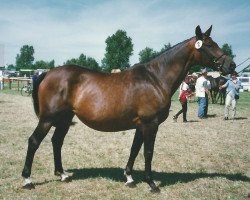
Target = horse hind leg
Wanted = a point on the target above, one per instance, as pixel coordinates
(136, 146)
(57, 142)
(34, 142)
(149, 134)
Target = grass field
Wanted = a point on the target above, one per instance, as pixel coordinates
(201, 159)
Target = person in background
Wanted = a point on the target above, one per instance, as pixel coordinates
(1, 81)
(184, 93)
(191, 83)
(34, 77)
(232, 94)
(202, 90)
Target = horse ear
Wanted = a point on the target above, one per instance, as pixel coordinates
(198, 33)
(208, 32)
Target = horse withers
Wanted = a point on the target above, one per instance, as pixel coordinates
(138, 98)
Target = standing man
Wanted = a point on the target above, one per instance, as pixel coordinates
(34, 77)
(232, 91)
(202, 89)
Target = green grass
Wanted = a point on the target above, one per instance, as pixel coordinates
(244, 99)
(202, 159)
(8, 91)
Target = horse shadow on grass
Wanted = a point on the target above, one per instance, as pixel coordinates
(164, 178)
(240, 118)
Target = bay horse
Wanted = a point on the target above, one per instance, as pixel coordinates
(138, 98)
(222, 92)
(214, 91)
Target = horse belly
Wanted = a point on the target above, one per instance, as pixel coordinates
(108, 124)
(103, 109)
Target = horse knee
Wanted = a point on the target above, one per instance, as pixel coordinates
(34, 143)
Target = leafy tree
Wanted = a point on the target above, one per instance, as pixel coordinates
(11, 67)
(195, 68)
(73, 61)
(51, 64)
(85, 61)
(165, 47)
(118, 50)
(104, 66)
(25, 59)
(44, 65)
(82, 60)
(146, 55)
(227, 49)
(91, 62)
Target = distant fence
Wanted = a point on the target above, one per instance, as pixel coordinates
(15, 83)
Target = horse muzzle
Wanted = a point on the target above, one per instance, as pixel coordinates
(227, 66)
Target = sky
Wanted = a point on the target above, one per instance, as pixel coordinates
(63, 29)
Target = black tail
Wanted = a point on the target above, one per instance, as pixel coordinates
(36, 84)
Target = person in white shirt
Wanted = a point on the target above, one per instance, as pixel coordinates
(184, 92)
(202, 88)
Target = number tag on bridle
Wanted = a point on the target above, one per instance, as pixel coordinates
(198, 44)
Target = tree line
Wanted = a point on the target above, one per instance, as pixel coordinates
(119, 48)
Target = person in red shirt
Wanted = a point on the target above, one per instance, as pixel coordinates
(184, 93)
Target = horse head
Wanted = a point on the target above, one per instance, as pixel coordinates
(210, 54)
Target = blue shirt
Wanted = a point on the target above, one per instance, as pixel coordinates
(34, 77)
(232, 87)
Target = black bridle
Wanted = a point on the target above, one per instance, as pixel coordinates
(211, 57)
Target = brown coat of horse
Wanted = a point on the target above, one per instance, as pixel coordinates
(138, 98)
(214, 91)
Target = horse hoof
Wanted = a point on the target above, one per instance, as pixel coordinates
(155, 190)
(67, 179)
(29, 186)
(130, 184)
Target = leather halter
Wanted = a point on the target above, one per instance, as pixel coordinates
(211, 57)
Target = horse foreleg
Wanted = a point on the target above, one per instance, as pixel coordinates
(220, 98)
(33, 144)
(57, 142)
(149, 134)
(223, 97)
(215, 96)
(136, 146)
(211, 96)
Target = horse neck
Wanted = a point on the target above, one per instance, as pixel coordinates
(172, 66)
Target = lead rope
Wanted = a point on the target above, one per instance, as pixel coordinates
(243, 62)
